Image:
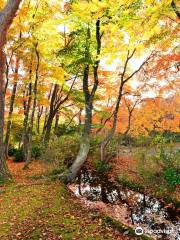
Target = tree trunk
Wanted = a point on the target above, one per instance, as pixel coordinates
(80, 159)
(51, 115)
(11, 108)
(85, 142)
(39, 115)
(56, 123)
(129, 124)
(48, 127)
(26, 118)
(6, 17)
(31, 123)
(124, 80)
(111, 134)
(46, 114)
(7, 75)
(4, 172)
(89, 98)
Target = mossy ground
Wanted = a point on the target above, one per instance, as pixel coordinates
(35, 208)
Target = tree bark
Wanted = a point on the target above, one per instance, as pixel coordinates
(26, 117)
(11, 108)
(6, 17)
(39, 115)
(89, 99)
(113, 129)
(4, 172)
(48, 127)
(56, 123)
(123, 81)
(46, 113)
(51, 115)
(57, 100)
(80, 159)
(31, 123)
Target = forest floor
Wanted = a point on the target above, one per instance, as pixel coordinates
(37, 208)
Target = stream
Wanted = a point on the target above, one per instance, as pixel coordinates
(133, 209)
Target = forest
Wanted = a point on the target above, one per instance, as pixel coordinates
(89, 119)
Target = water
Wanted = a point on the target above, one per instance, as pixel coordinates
(129, 207)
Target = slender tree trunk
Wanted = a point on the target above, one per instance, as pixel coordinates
(129, 124)
(31, 123)
(113, 129)
(51, 115)
(26, 119)
(79, 119)
(56, 123)
(11, 108)
(46, 114)
(57, 100)
(124, 80)
(39, 115)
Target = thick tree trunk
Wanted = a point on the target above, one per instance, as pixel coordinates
(7, 75)
(85, 142)
(11, 108)
(6, 17)
(48, 127)
(4, 172)
(80, 159)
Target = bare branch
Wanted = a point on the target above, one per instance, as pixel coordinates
(136, 71)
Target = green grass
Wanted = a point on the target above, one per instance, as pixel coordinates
(36, 211)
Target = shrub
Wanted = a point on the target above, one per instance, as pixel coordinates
(11, 151)
(172, 176)
(172, 136)
(18, 155)
(110, 150)
(64, 130)
(36, 150)
(142, 141)
(126, 181)
(102, 167)
(159, 140)
(1, 181)
(16, 131)
(61, 151)
(160, 170)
